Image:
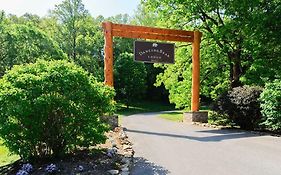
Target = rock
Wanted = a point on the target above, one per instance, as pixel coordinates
(125, 169)
(127, 147)
(125, 173)
(127, 165)
(113, 172)
(123, 135)
(126, 160)
(113, 143)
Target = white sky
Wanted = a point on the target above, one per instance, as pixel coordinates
(105, 8)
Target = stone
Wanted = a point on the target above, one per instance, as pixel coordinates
(199, 116)
(123, 135)
(113, 172)
(125, 173)
(127, 165)
(125, 160)
(125, 147)
(125, 169)
(113, 143)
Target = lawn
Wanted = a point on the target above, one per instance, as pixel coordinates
(173, 116)
(5, 157)
(141, 107)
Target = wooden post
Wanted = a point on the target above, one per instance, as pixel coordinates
(108, 54)
(196, 71)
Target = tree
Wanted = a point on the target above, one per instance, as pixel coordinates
(233, 34)
(129, 78)
(69, 13)
(225, 23)
(79, 35)
(21, 44)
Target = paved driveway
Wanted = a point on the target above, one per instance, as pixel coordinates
(165, 147)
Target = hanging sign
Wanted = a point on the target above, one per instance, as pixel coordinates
(153, 52)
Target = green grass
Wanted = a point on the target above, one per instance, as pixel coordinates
(141, 107)
(5, 157)
(173, 116)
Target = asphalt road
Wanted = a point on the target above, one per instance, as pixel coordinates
(166, 147)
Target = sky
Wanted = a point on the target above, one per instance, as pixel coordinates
(105, 8)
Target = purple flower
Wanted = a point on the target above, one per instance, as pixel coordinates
(27, 167)
(51, 168)
(80, 168)
(22, 172)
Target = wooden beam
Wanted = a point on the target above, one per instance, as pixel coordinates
(195, 103)
(108, 54)
(143, 29)
(131, 34)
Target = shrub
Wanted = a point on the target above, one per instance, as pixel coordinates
(271, 105)
(130, 78)
(50, 108)
(241, 105)
(215, 118)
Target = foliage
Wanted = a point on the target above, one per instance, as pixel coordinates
(50, 108)
(79, 35)
(241, 104)
(271, 105)
(176, 79)
(233, 26)
(215, 118)
(69, 13)
(23, 44)
(239, 38)
(129, 78)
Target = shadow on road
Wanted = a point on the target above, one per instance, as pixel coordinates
(225, 135)
(144, 167)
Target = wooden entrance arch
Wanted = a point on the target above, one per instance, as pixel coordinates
(130, 31)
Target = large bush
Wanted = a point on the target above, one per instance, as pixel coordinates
(242, 106)
(271, 105)
(50, 108)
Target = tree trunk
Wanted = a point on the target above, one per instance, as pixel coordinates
(235, 69)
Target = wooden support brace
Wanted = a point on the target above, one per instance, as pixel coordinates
(108, 54)
(196, 71)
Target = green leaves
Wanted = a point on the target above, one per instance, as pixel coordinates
(129, 78)
(59, 94)
(24, 44)
(240, 44)
(271, 105)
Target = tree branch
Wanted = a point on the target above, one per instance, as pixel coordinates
(220, 19)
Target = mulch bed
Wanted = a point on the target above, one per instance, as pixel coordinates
(95, 161)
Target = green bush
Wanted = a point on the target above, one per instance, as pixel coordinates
(215, 118)
(130, 78)
(242, 106)
(271, 106)
(51, 108)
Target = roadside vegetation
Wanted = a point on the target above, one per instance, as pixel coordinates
(51, 72)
